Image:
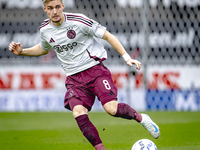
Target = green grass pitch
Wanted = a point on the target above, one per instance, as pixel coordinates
(59, 131)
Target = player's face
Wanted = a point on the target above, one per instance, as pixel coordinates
(54, 10)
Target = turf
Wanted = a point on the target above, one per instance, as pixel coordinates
(59, 131)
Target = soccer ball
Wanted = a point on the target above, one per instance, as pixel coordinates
(144, 144)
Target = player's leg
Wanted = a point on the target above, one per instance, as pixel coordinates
(122, 110)
(80, 113)
(80, 99)
(106, 91)
(125, 111)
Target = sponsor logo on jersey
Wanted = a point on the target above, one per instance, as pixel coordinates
(62, 48)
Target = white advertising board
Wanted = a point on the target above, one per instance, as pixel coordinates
(43, 88)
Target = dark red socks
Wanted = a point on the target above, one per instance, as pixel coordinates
(89, 130)
(125, 111)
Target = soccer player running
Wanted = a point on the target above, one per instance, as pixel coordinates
(72, 37)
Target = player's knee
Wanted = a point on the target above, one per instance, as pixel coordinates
(111, 107)
(78, 113)
(79, 110)
(111, 111)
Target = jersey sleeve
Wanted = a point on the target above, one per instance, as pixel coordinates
(94, 28)
(98, 30)
(44, 44)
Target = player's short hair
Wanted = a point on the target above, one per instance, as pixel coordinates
(46, 1)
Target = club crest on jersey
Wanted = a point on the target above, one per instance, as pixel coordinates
(71, 34)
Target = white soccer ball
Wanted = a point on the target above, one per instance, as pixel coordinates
(144, 144)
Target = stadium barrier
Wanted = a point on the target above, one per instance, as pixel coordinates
(43, 89)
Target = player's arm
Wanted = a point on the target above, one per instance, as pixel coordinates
(114, 42)
(17, 49)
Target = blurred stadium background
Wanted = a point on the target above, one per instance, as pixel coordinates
(162, 34)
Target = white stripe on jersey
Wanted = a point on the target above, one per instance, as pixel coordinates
(74, 42)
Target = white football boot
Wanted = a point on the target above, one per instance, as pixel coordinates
(150, 126)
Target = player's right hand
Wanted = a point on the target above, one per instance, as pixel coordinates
(138, 64)
(15, 48)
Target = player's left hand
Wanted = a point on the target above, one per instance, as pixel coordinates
(130, 62)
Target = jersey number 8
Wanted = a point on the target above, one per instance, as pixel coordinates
(107, 85)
